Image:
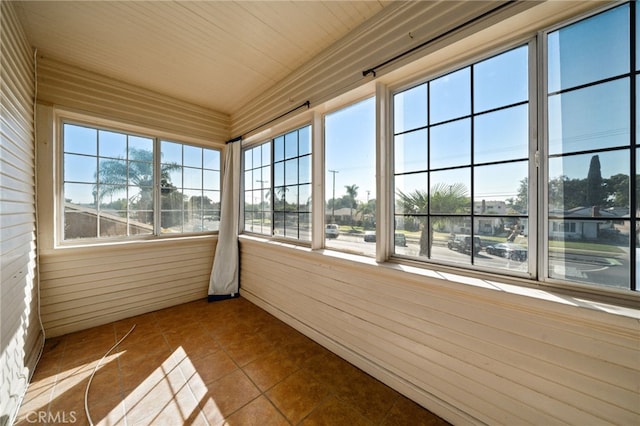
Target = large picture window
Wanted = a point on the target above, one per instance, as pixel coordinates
(461, 165)
(277, 186)
(466, 159)
(111, 178)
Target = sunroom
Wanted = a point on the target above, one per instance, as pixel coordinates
(141, 141)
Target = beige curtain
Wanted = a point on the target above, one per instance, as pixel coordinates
(224, 282)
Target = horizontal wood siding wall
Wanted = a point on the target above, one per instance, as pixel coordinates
(20, 334)
(60, 84)
(473, 355)
(85, 287)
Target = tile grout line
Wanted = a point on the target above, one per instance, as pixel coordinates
(262, 393)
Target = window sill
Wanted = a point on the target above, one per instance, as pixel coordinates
(625, 305)
(130, 243)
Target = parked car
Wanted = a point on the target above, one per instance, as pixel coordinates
(331, 230)
(398, 238)
(462, 243)
(508, 250)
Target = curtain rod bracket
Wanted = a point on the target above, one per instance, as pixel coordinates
(369, 71)
(236, 139)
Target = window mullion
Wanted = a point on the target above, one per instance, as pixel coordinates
(157, 194)
(537, 158)
(632, 157)
(273, 187)
(384, 186)
(542, 137)
(317, 182)
(98, 189)
(472, 193)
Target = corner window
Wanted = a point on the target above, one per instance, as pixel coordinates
(111, 181)
(277, 186)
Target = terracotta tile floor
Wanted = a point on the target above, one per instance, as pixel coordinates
(227, 363)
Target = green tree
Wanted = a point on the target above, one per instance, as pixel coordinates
(450, 198)
(200, 203)
(115, 175)
(280, 199)
(443, 198)
(368, 212)
(520, 204)
(617, 190)
(595, 189)
(172, 204)
(352, 193)
(566, 194)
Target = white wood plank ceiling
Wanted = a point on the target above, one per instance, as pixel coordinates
(217, 54)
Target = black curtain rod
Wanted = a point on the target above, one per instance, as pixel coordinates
(436, 38)
(239, 138)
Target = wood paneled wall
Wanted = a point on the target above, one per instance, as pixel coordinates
(20, 334)
(84, 287)
(473, 354)
(64, 85)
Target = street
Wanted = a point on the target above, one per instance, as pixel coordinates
(595, 268)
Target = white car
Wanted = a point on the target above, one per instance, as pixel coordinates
(331, 230)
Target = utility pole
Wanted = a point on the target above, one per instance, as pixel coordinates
(333, 204)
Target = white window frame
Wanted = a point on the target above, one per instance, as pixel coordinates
(268, 135)
(543, 158)
(538, 221)
(63, 116)
(388, 248)
(352, 100)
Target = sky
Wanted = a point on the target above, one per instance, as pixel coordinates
(350, 149)
(85, 147)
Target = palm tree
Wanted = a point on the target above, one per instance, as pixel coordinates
(280, 201)
(442, 199)
(367, 211)
(115, 175)
(352, 193)
(449, 198)
(417, 202)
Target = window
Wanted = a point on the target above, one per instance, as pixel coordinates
(463, 158)
(189, 188)
(591, 87)
(281, 208)
(257, 189)
(350, 178)
(110, 180)
(461, 164)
